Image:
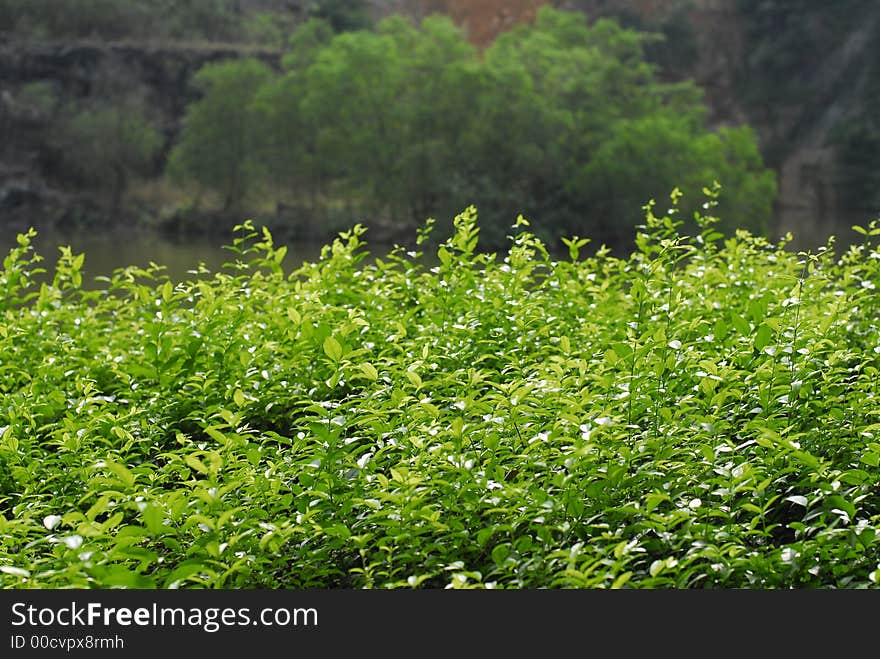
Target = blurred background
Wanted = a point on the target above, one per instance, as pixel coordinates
(144, 130)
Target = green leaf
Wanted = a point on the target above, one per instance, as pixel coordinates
(338, 531)
(332, 348)
(131, 531)
(238, 397)
(414, 377)
(870, 458)
(763, 335)
(215, 434)
(121, 472)
(182, 572)
(741, 324)
(653, 500)
(151, 352)
(415, 581)
(838, 502)
(621, 580)
(120, 576)
(500, 553)
(370, 371)
(194, 462)
(484, 534)
(565, 344)
(153, 519)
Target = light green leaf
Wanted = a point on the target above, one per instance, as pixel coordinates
(565, 344)
(153, 519)
(238, 397)
(121, 472)
(413, 377)
(621, 580)
(213, 433)
(196, 464)
(871, 459)
(332, 348)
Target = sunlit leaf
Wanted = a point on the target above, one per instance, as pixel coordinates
(332, 348)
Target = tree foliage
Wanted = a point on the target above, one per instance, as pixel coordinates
(564, 121)
(105, 145)
(119, 19)
(342, 15)
(216, 149)
(217, 20)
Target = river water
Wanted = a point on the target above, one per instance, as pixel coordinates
(105, 251)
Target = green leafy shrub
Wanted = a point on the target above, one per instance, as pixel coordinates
(699, 414)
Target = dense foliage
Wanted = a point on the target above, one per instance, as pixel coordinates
(215, 20)
(700, 413)
(104, 146)
(217, 154)
(115, 19)
(562, 120)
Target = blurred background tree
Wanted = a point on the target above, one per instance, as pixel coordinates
(104, 146)
(563, 121)
(216, 150)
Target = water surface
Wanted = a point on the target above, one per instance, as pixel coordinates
(108, 250)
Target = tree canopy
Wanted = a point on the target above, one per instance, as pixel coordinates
(217, 148)
(563, 121)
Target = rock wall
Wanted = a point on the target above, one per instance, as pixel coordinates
(158, 75)
(793, 136)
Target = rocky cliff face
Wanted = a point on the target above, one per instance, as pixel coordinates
(712, 41)
(38, 81)
(482, 21)
(720, 54)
